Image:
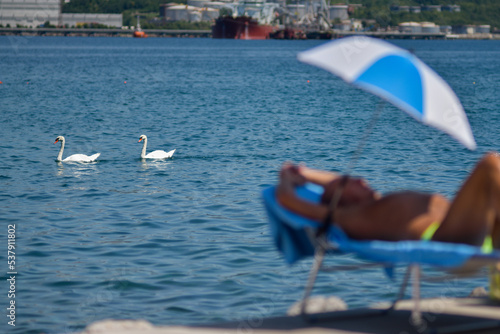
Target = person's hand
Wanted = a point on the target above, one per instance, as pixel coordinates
(290, 174)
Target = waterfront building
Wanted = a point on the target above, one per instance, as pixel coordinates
(29, 13)
(445, 29)
(163, 8)
(348, 25)
(483, 29)
(429, 28)
(464, 29)
(343, 26)
(34, 13)
(451, 8)
(79, 19)
(177, 12)
(410, 27)
(338, 12)
(428, 8)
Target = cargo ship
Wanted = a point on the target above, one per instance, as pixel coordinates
(240, 27)
(247, 19)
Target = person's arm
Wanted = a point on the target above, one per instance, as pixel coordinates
(320, 177)
(292, 176)
(328, 180)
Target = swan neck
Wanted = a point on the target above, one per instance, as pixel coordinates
(59, 156)
(144, 145)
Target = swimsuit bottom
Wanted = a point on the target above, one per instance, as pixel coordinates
(428, 233)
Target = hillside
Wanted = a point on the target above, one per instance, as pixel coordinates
(472, 11)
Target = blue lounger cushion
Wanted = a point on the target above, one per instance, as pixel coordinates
(288, 232)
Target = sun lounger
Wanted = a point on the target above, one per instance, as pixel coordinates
(297, 237)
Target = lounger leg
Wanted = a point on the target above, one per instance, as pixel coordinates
(318, 261)
(416, 314)
(402, 289)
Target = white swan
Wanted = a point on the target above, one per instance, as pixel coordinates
(74, 157)
(159, 154)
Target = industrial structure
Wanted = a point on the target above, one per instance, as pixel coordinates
(35, 13)
(428, 8)
(246, 18)
(206, 10)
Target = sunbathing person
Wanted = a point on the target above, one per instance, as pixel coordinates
(473, 217)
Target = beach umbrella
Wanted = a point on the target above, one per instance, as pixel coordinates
(395, 75)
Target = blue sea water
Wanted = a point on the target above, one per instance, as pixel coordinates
(185, 241)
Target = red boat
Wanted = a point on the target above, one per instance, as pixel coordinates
(138, 32)
(240, 27)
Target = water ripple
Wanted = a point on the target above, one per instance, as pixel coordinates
(188, 237)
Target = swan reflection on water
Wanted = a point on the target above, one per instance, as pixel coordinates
(159, 165)
(76, 169)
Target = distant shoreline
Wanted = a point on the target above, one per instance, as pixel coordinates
(400, 35)
(95, 32)
(91, 32)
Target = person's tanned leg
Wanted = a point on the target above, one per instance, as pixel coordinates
(475, 211)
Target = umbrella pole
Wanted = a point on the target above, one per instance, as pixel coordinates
(357, 153)
(320, 251)
(366, 134)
